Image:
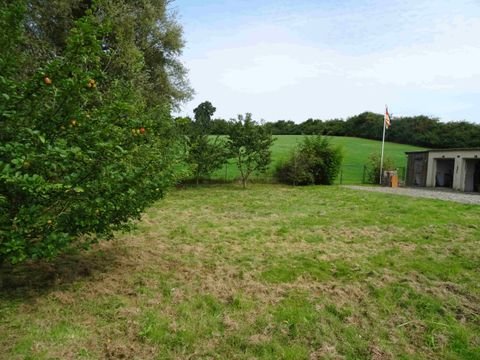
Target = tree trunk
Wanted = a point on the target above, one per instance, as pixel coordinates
(197, 178)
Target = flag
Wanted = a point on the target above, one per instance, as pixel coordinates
(387, 118)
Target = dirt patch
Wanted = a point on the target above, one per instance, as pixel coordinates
(31, 278)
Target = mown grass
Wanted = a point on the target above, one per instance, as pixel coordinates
(272, 272)
(356, 154)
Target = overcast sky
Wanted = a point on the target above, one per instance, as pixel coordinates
(295, 60)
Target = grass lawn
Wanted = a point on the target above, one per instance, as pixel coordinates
(272, 272)
(356, 152)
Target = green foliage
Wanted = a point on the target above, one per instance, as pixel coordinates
(295, 170)
(373, 167)
(205, 154)
(143, 35)
(203, 117)
(219, 127)
(249, 144)
(356, 152)
(315, 161)
(81, 151)
(148, 30)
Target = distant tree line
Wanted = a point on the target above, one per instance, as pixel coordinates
(414, 130)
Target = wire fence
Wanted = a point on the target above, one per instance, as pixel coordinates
(349, 174)
(354, 174)
(230, 173)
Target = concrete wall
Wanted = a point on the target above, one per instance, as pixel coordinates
(460, 166)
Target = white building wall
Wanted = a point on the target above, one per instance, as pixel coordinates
(459, 170)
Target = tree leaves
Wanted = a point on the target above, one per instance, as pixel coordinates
(69, 162)
(249, 144)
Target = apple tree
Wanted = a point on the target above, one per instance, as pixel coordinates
(82, 150)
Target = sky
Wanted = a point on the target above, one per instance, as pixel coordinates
(324, 59)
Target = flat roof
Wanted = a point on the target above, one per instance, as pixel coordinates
(442, 150)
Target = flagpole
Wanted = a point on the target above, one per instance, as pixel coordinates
(383, 148)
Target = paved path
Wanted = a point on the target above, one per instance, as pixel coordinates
(423, 193)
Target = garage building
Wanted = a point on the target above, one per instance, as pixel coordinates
(458, 169)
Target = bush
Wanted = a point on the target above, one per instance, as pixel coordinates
(313, 162)
(373, 167)
(294, 170)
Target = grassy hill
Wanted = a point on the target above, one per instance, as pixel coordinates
(356, 153)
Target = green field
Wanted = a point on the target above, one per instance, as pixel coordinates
(356, 152)
(271, 272)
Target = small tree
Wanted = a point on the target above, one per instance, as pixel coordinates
(315, 161)
(206, 153)
(249, 143)
(373, 167)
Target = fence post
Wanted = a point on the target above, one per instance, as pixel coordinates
(226, 171)
(341, 176)
(295, 169)
(364, 174)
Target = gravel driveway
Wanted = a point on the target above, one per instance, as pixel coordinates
(447, 195)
